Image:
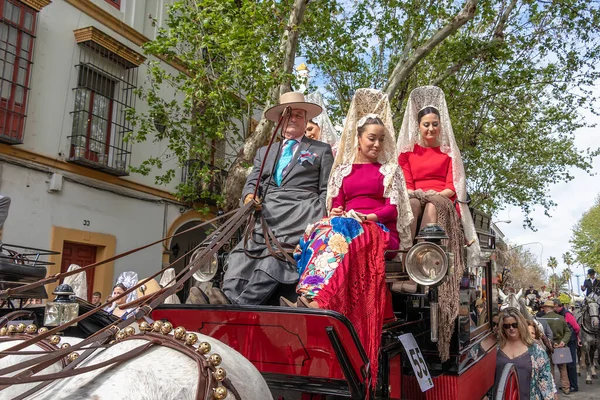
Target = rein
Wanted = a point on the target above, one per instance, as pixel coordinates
(220, 236)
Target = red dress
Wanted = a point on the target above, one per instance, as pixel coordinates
(427, 168)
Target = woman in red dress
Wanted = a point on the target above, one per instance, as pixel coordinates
(427, 169)
(435, 179)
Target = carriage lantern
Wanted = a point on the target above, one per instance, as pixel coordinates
(63, 309)
(208, 269)
(427, 264)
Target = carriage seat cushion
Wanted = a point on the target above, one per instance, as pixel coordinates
(9, 271)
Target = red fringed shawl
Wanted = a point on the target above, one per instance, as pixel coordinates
(358, 290)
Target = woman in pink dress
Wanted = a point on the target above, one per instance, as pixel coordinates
(341, 259)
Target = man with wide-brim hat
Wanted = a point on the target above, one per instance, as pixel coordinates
(561, 336)
(292, 194)
(591, 284)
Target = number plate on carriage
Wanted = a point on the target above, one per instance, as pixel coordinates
(416, 361)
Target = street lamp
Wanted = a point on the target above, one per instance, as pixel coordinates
(505, 221)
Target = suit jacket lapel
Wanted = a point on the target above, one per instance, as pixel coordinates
(304, 145)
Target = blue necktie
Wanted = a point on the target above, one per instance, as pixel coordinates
(286, 156)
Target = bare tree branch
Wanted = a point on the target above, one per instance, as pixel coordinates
(403, 69)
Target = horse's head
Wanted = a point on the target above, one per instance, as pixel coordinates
(593, 311)
(510, 300)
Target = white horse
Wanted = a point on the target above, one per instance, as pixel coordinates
(589, 320)
(159, 373)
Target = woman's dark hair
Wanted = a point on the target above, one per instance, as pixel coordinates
(427, 110)
(369, 121)
(120, 285)
(312, 121)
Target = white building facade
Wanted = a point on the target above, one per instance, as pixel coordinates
(69, 69)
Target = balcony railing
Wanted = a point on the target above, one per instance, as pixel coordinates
(115, 161)
(206, 178)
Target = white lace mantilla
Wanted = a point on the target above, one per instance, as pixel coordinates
(433, 96)
(370, 103)
(328, 133)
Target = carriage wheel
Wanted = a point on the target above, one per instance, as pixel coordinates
(508, 386)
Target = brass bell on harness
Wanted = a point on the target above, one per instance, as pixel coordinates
(65, 346)
(179, 333)
(3, 331)
(54, 339)
(220, 374)
(43, 329)
(204, 348)
(215, 359)
(145, 327)
(191, 339)
(31, 329)
(12, 329)
(121, 335)
(73, 356)
(129, 331)
(220, 392)
(166, 328)
(21, 327)
(156, 326)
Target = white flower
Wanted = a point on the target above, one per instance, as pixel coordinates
(326, 261)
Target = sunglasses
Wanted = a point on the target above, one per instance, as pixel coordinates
(514, 325)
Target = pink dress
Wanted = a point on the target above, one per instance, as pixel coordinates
(362, 191)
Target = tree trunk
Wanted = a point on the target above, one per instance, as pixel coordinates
(405, 67)
(238, 172)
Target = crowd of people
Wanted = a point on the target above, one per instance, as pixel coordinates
(530, 343)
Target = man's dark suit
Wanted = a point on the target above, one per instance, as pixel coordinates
(589, 286)
(287, 209)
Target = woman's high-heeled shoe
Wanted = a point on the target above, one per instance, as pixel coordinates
(283, 302)
(305, 303)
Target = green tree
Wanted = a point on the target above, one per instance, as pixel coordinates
(516, 75)
(554, 279)
(234, 58)
(585, 240)
(568, 272)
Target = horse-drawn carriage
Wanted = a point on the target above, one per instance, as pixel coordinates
(313, 353)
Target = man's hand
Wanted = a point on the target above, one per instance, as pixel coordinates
(248, 198)
(561, 344)
(336, 212)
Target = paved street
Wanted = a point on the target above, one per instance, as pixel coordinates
(586, 392)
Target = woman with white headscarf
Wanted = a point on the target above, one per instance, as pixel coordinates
(125, 282)
(436, 183)
(341, 259)
(320, 127)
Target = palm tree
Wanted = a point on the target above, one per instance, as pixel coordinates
(566, 276)
(553, 263)
(568, 259)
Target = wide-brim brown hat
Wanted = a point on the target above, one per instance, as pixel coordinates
(548, 303)
(294, 100)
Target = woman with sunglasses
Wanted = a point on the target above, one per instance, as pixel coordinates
(516, 346)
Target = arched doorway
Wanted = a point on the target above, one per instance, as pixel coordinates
(183, 244)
